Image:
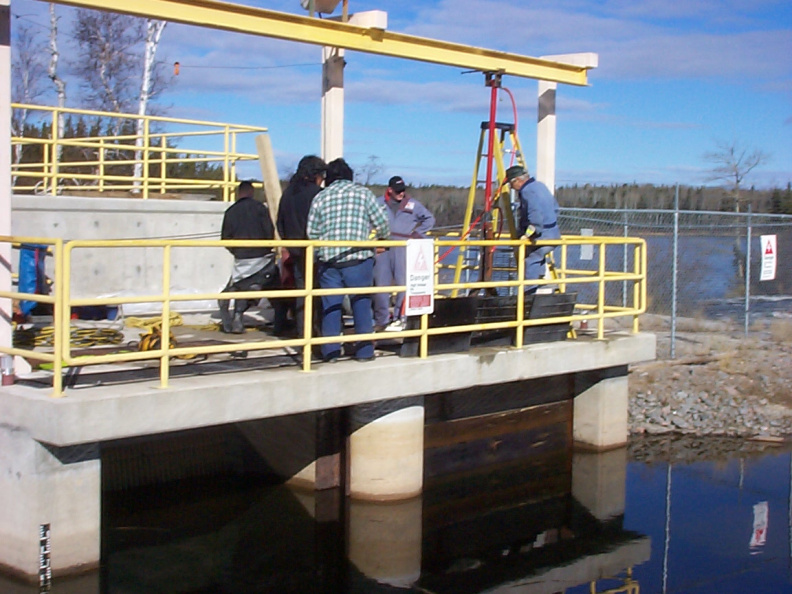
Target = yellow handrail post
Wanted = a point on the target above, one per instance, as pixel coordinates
(639, 289)
(146, 145)
(232, 173)
(518, 340)
(308, 308)
(562, 276)
(165, 336)
(163, 163)
(60, 319)
(55, 153)
(423, 351)
(601, 293)
(226, 178)
(101, 164)
(45, 169)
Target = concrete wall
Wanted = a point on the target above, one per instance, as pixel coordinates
(129, 271)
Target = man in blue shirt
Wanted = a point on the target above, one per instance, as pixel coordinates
(538, 220)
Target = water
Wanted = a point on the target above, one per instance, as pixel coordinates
(695, 525)
(705, 522)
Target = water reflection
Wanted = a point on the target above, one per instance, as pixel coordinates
(718, 512)
(699, 519)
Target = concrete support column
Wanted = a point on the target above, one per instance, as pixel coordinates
(332, 103)
(600, 414)
(385, 450)
(385, 540)
(5, 169)
(44, 485)
(599, 481)
(546, 135)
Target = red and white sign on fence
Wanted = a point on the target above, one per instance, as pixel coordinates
(769, 257)
(419, 298)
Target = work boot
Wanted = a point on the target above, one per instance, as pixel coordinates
(237, 326)
(225, 317)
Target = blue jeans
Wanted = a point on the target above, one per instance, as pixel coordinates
(333, 277)
(535, 265)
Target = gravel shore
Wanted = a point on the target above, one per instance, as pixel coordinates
(721, 383)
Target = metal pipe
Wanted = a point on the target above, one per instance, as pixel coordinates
(674, 273)
(747, 317)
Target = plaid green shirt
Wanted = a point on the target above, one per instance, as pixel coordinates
(346, 211)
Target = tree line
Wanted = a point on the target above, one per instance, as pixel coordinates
(448, 203)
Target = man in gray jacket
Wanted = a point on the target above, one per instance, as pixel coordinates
(538, 220)
(409, 219)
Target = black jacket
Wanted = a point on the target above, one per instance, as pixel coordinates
(294, 206)
(248, 218)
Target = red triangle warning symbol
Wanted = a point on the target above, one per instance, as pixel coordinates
(420, 263)
(768, 249)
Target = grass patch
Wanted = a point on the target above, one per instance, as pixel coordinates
(781, 330)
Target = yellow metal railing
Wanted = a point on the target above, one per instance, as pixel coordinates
(65, 253)
(141, 165)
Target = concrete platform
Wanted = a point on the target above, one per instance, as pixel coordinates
(126, 403)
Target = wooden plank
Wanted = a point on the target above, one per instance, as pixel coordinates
(494, 425)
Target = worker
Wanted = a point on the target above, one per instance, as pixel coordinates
(538, 220)
(255, 268)
(409, 219)
(346, 211)
(295, 204)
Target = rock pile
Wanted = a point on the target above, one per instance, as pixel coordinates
(708, 413)
(721, 384)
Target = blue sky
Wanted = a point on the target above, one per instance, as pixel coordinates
(674, 79)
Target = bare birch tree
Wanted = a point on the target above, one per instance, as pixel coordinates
(107, 61)
(60, 84)
(154, 31)
(27, 80)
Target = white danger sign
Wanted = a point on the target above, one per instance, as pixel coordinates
(769, 257)
(419, 298)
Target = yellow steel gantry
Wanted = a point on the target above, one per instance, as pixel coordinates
(268, 23)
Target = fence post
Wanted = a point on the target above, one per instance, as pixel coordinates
(747, 316)
(674, 273)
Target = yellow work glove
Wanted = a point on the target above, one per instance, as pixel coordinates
(530, 232)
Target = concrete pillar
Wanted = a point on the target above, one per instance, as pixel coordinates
(45, 485)
(599, 482)
(5, 169)
(333, 63)
(385, 540)
(546, 135)
(600, 414)
(546, 125)
(332, 103)
(385, 450)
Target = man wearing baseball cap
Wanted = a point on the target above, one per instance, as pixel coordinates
(538, 219)
(408, 219)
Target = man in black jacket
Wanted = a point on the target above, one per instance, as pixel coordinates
(255, 267)
(293, 218)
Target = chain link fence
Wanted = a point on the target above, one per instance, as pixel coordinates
(703, 265)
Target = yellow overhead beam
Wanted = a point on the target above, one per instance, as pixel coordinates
(268, 23)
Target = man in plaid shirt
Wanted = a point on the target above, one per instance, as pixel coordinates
(346, 211)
